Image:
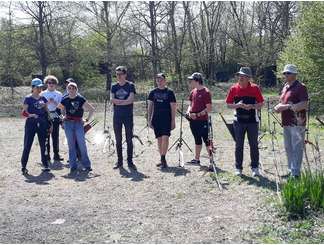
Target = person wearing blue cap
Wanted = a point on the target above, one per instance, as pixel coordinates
(37, 122)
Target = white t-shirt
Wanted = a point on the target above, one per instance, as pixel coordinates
(53, 97)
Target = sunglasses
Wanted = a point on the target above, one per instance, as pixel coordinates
(51, 83)
(71, 87)
(119, 73)
(287, 73)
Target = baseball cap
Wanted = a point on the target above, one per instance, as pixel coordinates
(70, 80)
(196, 76)
(36, 82)
(161, 75)
(246, 71)
(290, 68)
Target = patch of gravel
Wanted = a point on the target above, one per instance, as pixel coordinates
(106, 206)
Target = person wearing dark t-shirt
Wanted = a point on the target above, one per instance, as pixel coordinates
(37, 122)
(161, 115)
(293, 105)
(122, 97)
(246, 98)
(73, 106)
(200, 106)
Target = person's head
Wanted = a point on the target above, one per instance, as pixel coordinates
(72, 89)
(160, 80)
(51, 82)
(196, 80)
(244, 75)
(37, 86)
(121, 73)
(69, 80)
(290, 73)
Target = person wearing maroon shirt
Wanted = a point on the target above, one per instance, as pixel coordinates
(292, 106)
(200, 106)
(246, 98)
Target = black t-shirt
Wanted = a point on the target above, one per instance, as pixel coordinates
(74, 107)
(162, 99)
(122, 93)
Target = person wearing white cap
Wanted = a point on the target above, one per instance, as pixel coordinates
(292, 106)
(73, 106)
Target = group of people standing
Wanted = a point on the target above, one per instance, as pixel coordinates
(47, 110)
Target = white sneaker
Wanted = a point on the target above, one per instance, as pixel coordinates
(255, 172)
(238, 172)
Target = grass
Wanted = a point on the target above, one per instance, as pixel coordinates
(306, 193)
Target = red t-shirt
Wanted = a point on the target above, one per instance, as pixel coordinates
(199, 99)
(248, 95)
(295, 93)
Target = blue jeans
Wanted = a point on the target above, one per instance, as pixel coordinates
(294, 137)
(75, 133)
(34, 126)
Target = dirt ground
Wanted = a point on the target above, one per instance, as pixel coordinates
(180, 205)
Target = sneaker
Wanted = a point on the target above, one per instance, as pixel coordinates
(57, 157)
(46, 169)
(88, 169)
(211, 168)
(118, 165)
(255, 172)
(24, 171)
(132, 166)
(238, 172)
(195, 161)
(73, 170)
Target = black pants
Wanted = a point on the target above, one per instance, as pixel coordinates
(252, 133)
(34, 126)
(55, 137)
(199, 131)
(118, 123)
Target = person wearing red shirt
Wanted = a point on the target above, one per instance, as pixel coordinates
(200, 106)
(293, 105)
(246, 98)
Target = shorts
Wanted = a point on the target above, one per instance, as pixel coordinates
(199, 131)
(161, 126)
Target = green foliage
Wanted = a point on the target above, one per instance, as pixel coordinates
(305, 48)
(308, 191)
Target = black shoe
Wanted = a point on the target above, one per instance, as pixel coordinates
(195, 162)
(159, 164)
(164, 165)
(46, 169)
(57, 157)
(88, 169)
(132, 166)
(118, 165)
(73, 171)
(210, 168)
(24, 171)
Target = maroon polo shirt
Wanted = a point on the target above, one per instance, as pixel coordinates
(293, 94)
(199, 99)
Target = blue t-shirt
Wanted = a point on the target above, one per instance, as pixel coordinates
(36, 106)
(122, 93)
(74, 107)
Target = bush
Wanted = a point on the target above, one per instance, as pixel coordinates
(306, 192)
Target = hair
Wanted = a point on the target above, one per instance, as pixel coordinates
(72, 84)
(161, 75)
(122, 69)
(50, 78)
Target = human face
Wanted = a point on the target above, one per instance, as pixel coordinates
(51, 85)
(289, 77)
(121, 76)
(160, 81)
(243, 79)
(72, 90)
(37, 90)
(193, 84)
